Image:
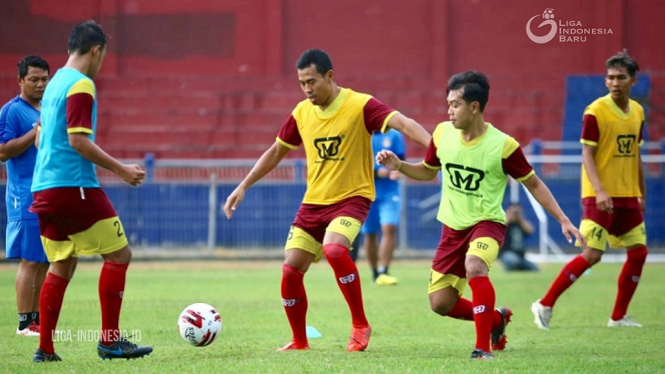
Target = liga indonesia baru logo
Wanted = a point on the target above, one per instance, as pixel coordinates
(568, 31)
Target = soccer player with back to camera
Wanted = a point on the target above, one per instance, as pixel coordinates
(335, 126)
(18, 120)
(613, 206)
(476, 159)
(75, 215)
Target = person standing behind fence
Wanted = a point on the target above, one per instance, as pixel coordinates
(475, 159)
(18, 121)
(334, 124)
(75, 215)
(512, 253)
(613, 192)
(383, 216)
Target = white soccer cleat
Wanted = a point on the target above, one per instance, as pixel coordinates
(542, 314)
(623, 322)
(31, 330)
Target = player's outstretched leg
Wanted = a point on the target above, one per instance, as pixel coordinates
(627, 284)
(294, 300)
(348, 281)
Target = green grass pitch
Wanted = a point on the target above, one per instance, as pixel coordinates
(408, 337)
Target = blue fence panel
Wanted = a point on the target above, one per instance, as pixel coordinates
(176, 214)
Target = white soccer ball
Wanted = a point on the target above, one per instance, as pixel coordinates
(199, 324)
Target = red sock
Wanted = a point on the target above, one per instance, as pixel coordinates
(628, 280)
(483, 310)
(50, 303)
(294, 299)
(462, 310)
(568, 275)
(111, 288)
(348, 281)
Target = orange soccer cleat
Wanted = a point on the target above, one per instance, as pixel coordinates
(294, 346)
(359, 339)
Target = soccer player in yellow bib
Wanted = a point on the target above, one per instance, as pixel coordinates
(476, 159)
(613, 192)
(335, 126)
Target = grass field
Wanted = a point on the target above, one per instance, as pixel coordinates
(408, 337)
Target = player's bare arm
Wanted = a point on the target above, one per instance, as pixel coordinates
(603, 200)
(410, 128)
(131, 174)
(268, 161)
(17, 146)
(544, 196)
(414, 171)
(643, 185)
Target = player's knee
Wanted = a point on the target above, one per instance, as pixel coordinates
(475, 267)
(334, 250)
(123, 256)
(30, 266)
(389, 230)
(637, 254)
(441, 306)
(290, 272)
(592, 256)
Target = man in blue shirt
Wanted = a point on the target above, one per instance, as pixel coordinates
(383, 216)
(18, 119)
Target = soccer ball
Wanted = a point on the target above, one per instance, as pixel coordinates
(199, 324)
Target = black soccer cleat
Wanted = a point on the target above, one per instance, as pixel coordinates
(122, 348)
(479, 354)
(40, 356)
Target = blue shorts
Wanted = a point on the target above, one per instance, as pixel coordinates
(24, 241)
(384, 211)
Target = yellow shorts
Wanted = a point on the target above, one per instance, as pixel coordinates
(485, 248)
(300, 239)
(438, 281)
(598, 238)
(105, 236)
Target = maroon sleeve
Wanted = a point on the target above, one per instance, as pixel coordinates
(516, 165)
(289, 132)
(590, 129)
(374, 113)
(431, 158)
(79, 113)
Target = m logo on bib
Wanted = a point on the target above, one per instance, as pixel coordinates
(328, 147)
(464, 177)
(625, 144)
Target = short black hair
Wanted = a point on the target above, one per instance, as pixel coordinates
(34, 61)
(475, 84)
(86, 35)
(622, 60)
(319, 58)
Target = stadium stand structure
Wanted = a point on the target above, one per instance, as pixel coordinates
(200, 117)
